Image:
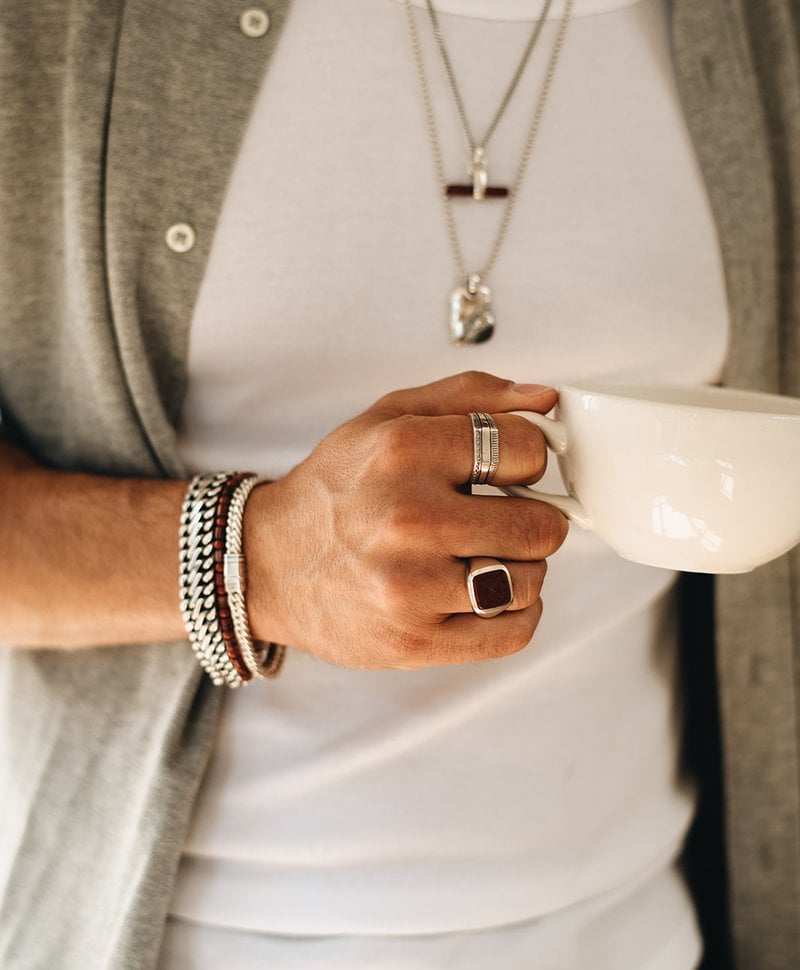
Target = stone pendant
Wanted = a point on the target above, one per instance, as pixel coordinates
(471, 314)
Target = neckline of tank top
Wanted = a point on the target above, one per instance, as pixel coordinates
(524, 9)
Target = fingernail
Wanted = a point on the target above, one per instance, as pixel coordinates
(532, 389)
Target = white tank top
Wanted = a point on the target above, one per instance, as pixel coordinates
(358, 818)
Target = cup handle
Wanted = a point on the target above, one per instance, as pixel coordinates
(555, 434)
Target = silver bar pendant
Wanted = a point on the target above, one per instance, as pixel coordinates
(480, 177)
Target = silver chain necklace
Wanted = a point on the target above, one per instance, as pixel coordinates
(472, 318)
(477, 147)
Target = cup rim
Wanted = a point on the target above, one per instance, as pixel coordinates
(691, 397)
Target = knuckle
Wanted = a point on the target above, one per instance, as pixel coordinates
(521, 637)
(391, 404)
(527, 622)
(536, 457)
(386, 403)
(548, 532)
(515, 638)
(397, 444)
(559, 528)
(405, 527)
(535, 580)
(476, 381)
(541, 573)
(393, 591)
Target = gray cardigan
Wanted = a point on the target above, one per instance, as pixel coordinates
(120, 118)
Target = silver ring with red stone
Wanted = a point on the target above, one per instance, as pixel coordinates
(485, 448)
(489, 586)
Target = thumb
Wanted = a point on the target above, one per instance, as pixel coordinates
(465, 392)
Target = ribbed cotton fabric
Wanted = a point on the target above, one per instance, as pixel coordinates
(369, 820)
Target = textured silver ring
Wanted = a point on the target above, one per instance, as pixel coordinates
(489, 587)
(485, 448)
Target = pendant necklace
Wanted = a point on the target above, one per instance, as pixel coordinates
(472, 318)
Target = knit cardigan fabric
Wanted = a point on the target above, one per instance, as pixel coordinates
(119, 117)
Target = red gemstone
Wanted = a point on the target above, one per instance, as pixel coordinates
(492, 589)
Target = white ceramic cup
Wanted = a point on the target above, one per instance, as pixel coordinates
(701, 479)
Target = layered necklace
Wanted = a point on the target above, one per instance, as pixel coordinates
(472, 319)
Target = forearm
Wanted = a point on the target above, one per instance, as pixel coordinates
(357, 555)
(86, 560)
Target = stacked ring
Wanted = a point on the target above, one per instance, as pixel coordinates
(485, 447)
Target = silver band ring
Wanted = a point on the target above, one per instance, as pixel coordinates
(489, 586)
(485, 448)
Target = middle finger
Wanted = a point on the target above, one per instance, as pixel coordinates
(519, 529)
(443, 447)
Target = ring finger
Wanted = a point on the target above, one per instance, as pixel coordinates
(526, 585)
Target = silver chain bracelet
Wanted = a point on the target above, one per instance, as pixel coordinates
(198, 600)
(262, 659)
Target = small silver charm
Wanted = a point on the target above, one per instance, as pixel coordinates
(471, 315)
(480, 177)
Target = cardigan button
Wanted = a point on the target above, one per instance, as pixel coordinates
(181, 237)
(254, 22)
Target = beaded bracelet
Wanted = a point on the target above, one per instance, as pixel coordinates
(212, 604)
